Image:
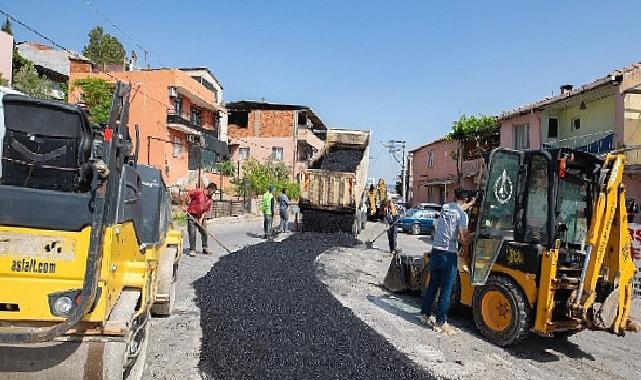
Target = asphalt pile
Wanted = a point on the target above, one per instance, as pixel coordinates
(340, 160)
(265, 315)
(326, 222)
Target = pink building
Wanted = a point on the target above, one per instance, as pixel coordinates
(434, 175)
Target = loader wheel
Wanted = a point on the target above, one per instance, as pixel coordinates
(166, 290)
(501, 311)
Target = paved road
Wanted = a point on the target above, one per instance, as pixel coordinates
(174, 347)
(354, 277)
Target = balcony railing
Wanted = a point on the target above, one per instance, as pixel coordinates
(184, 120)
(595, 143)
(174, 118)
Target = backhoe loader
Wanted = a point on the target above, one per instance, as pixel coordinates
(550, 253)
(87, 249)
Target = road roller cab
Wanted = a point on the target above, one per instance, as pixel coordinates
(87, 251)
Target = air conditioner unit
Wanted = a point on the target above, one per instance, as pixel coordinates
(173, 93)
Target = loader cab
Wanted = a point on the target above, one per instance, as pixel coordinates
(530, 200)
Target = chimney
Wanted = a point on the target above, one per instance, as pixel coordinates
(566, 89)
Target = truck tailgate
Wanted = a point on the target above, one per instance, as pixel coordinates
(325, 189)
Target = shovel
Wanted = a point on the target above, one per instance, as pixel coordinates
(208, 233)
(369, 244)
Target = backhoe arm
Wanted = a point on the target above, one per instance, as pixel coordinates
(608, 260)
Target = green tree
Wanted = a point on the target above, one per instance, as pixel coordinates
(97, 94)
(259, 176)
(6, 27)
(104, 48)
(27, 81)
(226, 168)
(474, 135)
(399, 187)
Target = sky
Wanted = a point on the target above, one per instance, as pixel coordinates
(403, 69)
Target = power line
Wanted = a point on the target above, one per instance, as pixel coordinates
(146, 51)
(76, 55)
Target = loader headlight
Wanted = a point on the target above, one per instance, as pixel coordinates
(62, 305)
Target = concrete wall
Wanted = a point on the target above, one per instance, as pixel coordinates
(631, 127)
(6, 56)
(598, 116)
(265, 123)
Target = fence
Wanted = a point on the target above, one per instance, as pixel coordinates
(228, 207)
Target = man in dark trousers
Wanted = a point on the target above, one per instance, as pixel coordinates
(283, 205)
(451, 228)
(199, 204)
(391, 217)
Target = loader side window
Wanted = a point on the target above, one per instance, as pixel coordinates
(536, 214)
(572, 211)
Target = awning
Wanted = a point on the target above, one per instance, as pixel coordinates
(436, 182)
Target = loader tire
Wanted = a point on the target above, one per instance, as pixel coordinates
(501, 311)
(166, 289)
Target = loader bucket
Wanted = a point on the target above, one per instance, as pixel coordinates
(395, 280)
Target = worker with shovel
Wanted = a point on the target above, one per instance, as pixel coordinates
(199, 204)
(391, 218)
(451, 227)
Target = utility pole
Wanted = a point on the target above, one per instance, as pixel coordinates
(394, 147)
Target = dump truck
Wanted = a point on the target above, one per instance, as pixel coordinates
(550, 252)
(333, 194)
(87, 248)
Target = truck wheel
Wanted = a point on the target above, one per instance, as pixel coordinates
(415, 229)
(501, 311)
(166, 289)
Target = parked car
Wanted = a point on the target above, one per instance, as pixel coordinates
(417, 221)
(429, 206)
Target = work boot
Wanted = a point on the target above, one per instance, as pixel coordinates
(445, 328)
(428, 320)
(192, 253)
(206, 252)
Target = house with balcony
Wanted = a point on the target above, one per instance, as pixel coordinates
(597, 117)
(288, 133)
(181, 120)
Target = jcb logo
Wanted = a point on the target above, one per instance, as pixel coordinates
(32, 266)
